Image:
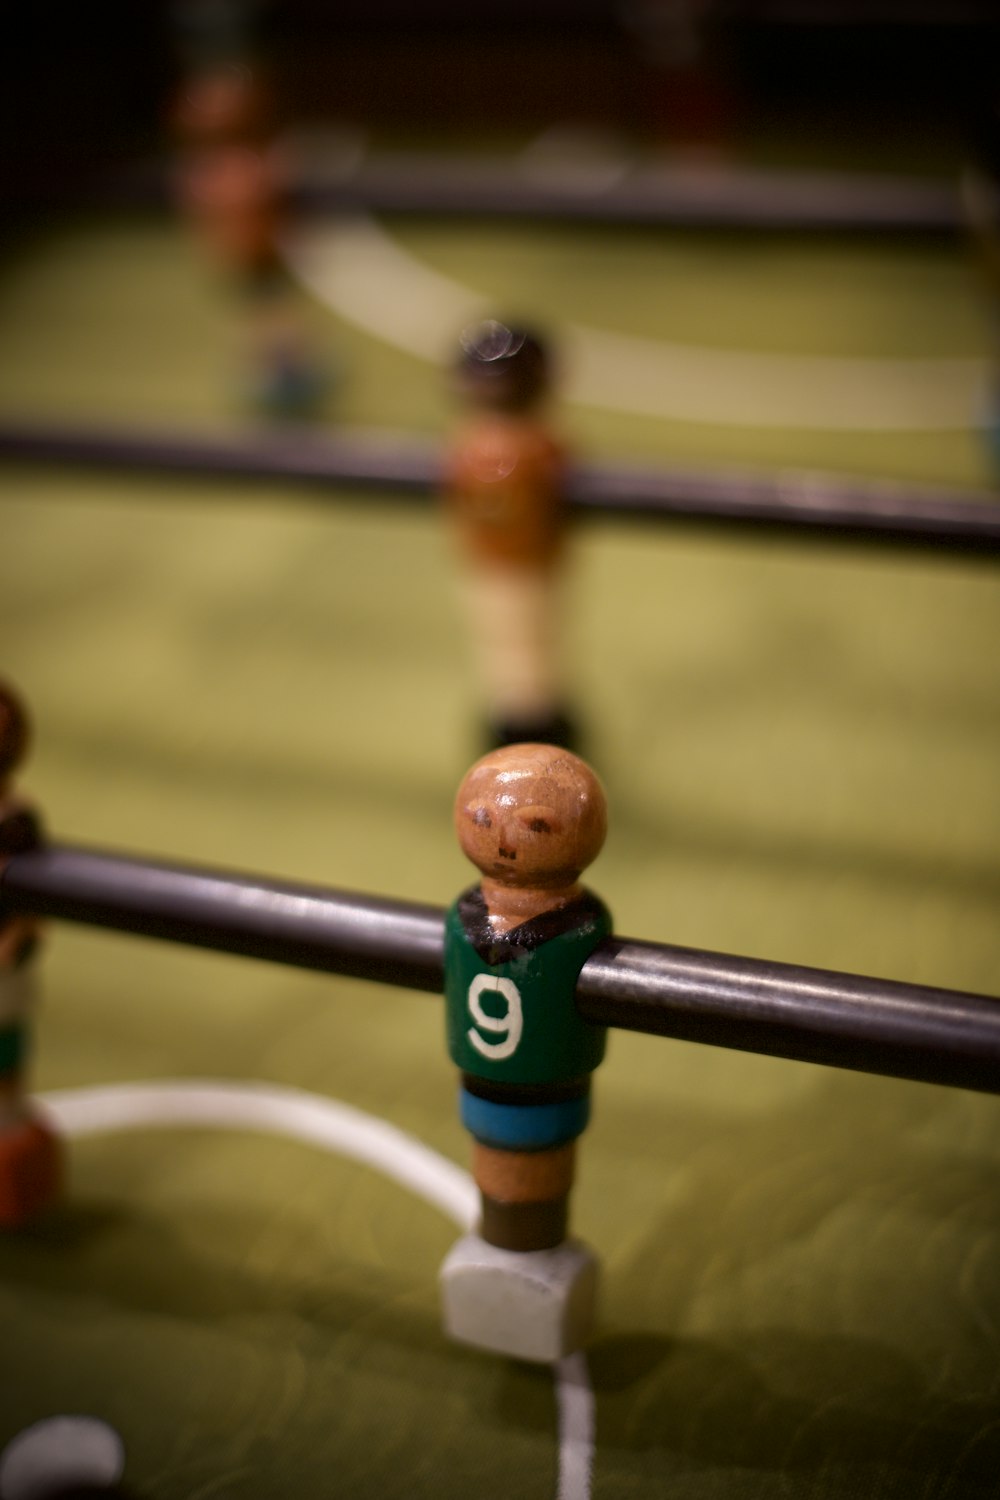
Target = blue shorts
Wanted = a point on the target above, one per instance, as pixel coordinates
(524, 1127)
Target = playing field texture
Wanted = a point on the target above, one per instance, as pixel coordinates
(801, 748)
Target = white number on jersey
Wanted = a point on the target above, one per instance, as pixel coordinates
(506, 1028)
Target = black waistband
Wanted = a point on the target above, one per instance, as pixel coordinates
(526, 1093)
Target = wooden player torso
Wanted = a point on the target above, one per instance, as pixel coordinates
(506, 491)
(235, 198)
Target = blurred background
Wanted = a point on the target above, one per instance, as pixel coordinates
(863, 121)
(816, 82)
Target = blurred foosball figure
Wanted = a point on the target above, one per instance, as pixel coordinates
(232, 186)
(981, 203)
(31, 1158)
(505, 492)
(684, 78)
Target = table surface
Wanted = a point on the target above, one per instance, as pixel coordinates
(801, 1292)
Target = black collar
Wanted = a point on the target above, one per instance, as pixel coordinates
(494, 948)
(19, 830)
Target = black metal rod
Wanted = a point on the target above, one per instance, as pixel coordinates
(305, 926)
(813, 1015)
(383, 462)
(786, 1010)
(755, 201)
(787, 504)
(797, 506)
(752, 200)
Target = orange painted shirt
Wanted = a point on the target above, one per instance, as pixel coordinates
(505, 491)
(234, 196)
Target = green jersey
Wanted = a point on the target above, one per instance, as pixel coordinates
(511, 1013)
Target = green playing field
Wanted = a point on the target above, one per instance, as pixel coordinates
(801, 749)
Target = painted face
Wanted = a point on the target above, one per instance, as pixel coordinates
(531, 815)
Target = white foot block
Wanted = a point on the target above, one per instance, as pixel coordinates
(534, 1304)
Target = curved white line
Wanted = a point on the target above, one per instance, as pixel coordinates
(362, 274)
(347, 1132)
(278, 1111)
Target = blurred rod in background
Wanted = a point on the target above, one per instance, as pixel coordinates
(727, 197)
(788, 503)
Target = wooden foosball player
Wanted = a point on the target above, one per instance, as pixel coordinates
(231, 183)
(530, 818)
(981, 205)
(505, 489)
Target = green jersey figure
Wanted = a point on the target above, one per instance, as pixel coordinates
(531, 818)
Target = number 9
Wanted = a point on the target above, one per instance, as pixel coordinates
(507, 1028)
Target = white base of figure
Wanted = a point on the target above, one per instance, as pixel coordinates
(536, 1305)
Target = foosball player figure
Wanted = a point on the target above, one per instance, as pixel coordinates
(981, 203)
(30, 1153)
(531, 818)
(505, 492)
(232, 186)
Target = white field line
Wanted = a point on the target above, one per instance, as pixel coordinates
(345, 1131)
(575, 1397)
(356, 269)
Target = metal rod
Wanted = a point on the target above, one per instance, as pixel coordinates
(797, 506)
(386, 462)
(756, 201)
(786, 1010)
(788, 504)
(814, 1015)
(753, 200)
(305, 926)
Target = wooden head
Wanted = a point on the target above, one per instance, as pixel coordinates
(224, 104)
(503, 368)
(531, 817)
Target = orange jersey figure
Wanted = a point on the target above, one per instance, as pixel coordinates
(229, 180)
(232, 185)
(505, 494)
(30, 1154)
